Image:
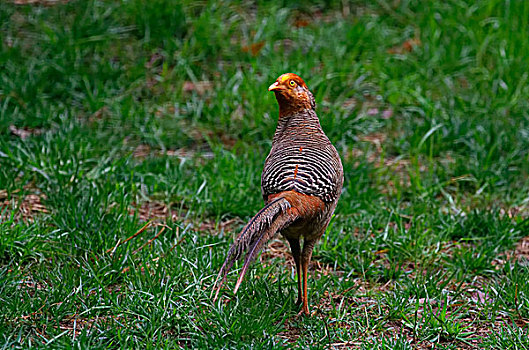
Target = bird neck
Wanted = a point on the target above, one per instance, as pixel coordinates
(289, 107)
(296, 124)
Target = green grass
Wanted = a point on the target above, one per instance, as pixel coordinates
(114, 113)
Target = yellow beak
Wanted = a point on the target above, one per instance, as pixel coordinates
(274, 86)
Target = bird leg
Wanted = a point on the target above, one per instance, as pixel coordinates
(306, 254)
(296, 254)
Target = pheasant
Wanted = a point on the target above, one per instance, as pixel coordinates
(301, 182)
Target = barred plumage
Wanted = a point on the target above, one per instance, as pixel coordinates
(302, 159)
(301, 183)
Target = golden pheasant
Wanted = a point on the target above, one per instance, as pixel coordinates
(301, 182)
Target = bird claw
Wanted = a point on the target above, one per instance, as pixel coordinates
(303, 312)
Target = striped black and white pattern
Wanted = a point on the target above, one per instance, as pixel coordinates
(302, 159)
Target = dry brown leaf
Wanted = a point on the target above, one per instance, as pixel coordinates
(522, 249)
(387, 114)
(254, 48)
(156, 211)
(142, 151)
(373, 111)
(99, 114)
(24, 132)
(376, 138)
(155, 59)
(301, 22)
(40, 2)
(407, 46)
(26, 209)
(200, 87)
(350, 103)
(153, 210)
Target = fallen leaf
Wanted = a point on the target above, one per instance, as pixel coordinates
(407, 46)
(387, 114)
(142, 151)
(40, 2)
(24, 132)
(200, 87)
(480, 297)
(25, 208)
(375, 138)
(372, 111)
(350, 103)
(99, 114)
(300, 23)
(155, 59)
(254, 49)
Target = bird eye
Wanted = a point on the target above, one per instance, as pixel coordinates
(292, 83)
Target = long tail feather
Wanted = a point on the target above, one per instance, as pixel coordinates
(261, 226)
(282, 221)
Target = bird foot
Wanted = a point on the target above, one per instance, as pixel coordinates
(304, 312)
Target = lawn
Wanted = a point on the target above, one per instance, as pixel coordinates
(132, 139)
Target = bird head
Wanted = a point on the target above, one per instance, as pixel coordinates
(292, 93)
